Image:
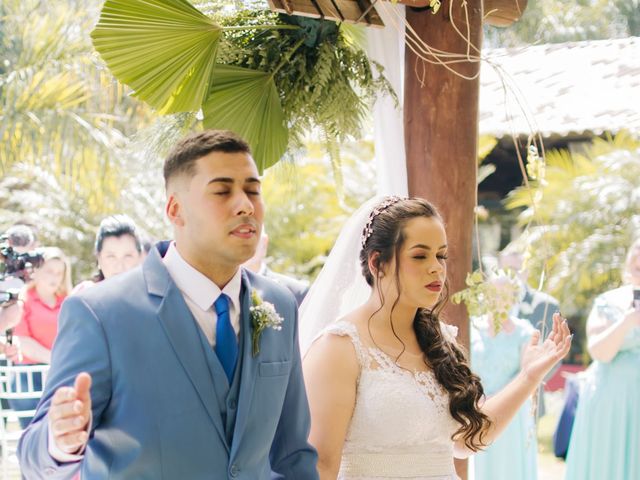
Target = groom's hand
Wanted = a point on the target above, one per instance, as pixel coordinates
(69, 415)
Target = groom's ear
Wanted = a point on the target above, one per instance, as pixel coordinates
(173, 210)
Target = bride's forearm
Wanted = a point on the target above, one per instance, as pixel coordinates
(503, 406)
(326, 471)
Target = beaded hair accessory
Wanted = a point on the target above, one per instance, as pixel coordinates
(378, 209)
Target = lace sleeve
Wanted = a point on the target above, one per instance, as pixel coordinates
(349, 329)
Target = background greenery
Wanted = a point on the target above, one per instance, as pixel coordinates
(76, 146)
(553, 21)
(582, 217)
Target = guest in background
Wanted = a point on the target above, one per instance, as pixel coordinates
(257, 265)
(21, 238)
(605, 440)
(533, 305)
(497, 342)
(117, 248)
(42, 299)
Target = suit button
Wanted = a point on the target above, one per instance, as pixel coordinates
(49, 471)
(233, 404)
(234, 470)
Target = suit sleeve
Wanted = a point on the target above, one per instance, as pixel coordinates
(80, 346)
(291, 456)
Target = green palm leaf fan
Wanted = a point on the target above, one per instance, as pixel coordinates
(247, 102)
(163, 49)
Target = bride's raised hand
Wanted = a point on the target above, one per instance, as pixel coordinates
(539, 358)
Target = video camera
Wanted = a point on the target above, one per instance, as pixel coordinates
(15, 271)
(18, 265)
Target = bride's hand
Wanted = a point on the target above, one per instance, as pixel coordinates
(539, 358)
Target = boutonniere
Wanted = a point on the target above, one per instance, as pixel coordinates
(263, 315)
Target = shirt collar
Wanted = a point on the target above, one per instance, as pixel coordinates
(32, 295)
(200, 289)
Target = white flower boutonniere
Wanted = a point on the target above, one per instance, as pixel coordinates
(263, 315)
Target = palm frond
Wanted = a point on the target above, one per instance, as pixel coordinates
(163, 49)
(246, 102)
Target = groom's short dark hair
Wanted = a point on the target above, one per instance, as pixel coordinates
(183, 156)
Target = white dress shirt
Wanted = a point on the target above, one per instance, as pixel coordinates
(199, 294)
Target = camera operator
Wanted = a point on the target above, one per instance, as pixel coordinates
(22, 239)
(43, 294)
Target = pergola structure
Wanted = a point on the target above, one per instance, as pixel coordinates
(440, 113)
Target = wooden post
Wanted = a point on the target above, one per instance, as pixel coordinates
(441, 136)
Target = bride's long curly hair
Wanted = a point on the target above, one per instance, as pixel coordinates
(384, 234)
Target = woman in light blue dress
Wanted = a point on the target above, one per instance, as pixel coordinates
(605, 441)
(495, 357)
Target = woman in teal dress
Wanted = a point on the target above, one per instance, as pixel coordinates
(495, 357)
(605, 442)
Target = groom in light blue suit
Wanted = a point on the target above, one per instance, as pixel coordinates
(160, 372)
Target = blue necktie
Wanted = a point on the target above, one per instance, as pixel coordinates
(226, 340)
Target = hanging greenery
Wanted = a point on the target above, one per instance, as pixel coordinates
(327, 81)
(299, 73)
(492, 295)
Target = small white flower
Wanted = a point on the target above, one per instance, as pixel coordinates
(263, 315)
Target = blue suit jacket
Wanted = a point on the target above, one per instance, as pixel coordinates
(295, 286)
(154, 403)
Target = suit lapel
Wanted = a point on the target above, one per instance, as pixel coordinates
(249, 364)
(181, 329)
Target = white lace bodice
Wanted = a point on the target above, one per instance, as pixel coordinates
(401, 426)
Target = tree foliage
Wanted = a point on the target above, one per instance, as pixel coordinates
(551, 21)
(581, 216)
(304, 213)
(59, 110)
(65, 127)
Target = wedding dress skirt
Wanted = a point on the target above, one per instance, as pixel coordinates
(401, 426)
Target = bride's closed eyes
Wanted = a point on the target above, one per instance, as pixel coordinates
(441, 256)
(424, 251)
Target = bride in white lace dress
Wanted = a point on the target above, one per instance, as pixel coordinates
(390, 392)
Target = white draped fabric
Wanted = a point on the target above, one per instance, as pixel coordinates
(386, 46)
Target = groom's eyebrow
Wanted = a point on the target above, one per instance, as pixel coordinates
(231, 180)
(221, 180)
(427, 247)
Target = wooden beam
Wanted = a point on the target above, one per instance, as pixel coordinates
(441, 136)
(502, 13)
(350, 11)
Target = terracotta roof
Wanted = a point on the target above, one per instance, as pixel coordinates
(574, 88)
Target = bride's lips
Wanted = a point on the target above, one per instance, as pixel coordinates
(434, 286)
(244, 231)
